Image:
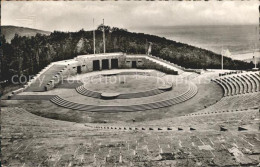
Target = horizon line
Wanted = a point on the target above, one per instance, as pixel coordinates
(163, 26)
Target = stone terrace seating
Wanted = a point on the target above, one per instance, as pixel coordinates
(224, 87)
(159, 104)
(30, 140)
(28, 121)
(255, 82)
(83, 91)
(39, 83)
(235, 84)
(169, 145)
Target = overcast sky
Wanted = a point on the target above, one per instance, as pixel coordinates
(73, 16)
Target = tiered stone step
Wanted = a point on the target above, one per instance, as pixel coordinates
(225, 86)
(257, 80)
(250, 82)
(254, 82)
(166, 64)
(83, 91)
(239, 83)
(245, 86)
(232, 87)
(236, 87)
(38, 141)
(155, 105)
(243, 79)
(44, 78)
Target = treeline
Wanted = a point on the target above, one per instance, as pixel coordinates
(28, 55)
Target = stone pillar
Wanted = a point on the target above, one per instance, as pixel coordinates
(100, 64)
(109, 64)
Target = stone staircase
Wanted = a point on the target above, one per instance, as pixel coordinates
(37, 85)
(166, 64)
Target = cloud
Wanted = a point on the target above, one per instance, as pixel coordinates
(72, 16)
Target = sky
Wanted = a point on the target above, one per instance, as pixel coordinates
(73, 16)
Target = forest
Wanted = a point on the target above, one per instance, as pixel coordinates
(28, 55)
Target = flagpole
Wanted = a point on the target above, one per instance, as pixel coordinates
(254, 55)
(104, 40)
(257, 40)
(94, 40)
(255, 49)
(222, 59)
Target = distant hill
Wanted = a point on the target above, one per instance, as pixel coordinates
(28, 55)
(10, 31)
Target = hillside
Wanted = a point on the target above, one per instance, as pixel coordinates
(10, 31)
(27, 56)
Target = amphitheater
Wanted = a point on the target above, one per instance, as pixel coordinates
(117, 109)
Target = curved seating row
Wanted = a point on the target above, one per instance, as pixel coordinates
(192, 91)
(240, 83)
(85, 92)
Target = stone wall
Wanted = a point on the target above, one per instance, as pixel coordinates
(85, 64)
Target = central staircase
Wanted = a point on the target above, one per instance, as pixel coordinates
(166, 64)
